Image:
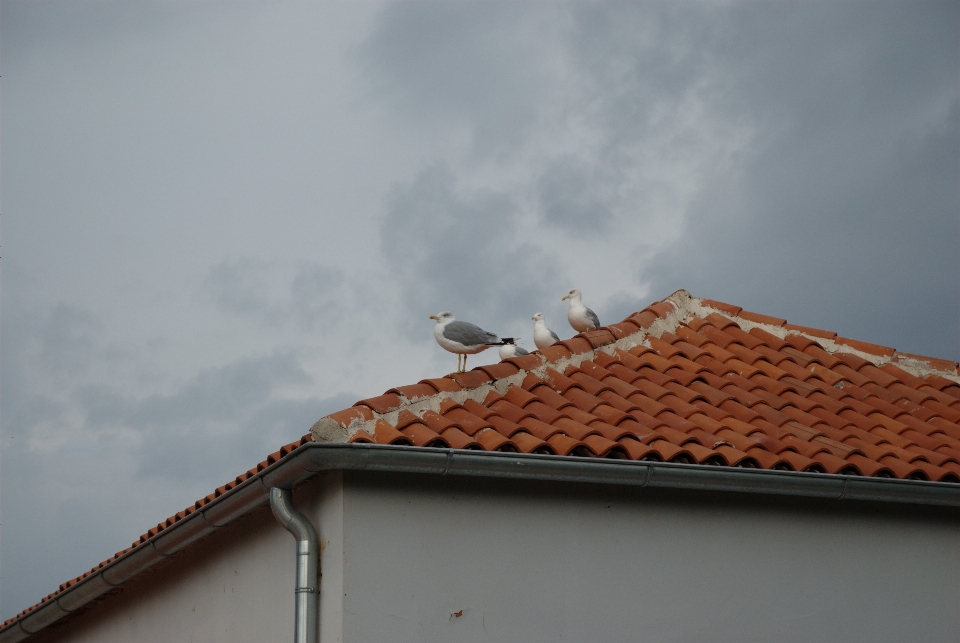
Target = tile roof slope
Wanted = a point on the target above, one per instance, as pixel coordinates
(684, 380)
(689, 380)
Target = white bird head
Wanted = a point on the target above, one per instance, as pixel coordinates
(443, 317)
(573, 294)
(537, 317)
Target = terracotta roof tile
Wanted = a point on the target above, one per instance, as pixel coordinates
(762, 319)
(623, 329)
(705, 391)
(421, 435)
(575, 344)
(414, 391)
(528, 443)
(662, 308)
(435, 421)
(457, 439)
(363, 436)
(599, 337)
(491, 440)
(565, 445)
(500, 370)
(719, 322)
(354, 414)
(471, 379)
(503, 426)
(383, 404)
(719, 305)
(555, 353)
(466, 421)
(643, 319)
(384, 433)
(938, 364)
(442, 384)
(526, 362)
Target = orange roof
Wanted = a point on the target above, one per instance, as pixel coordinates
(695, 381)
(685, 380)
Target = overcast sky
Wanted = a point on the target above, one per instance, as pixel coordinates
(223, 220)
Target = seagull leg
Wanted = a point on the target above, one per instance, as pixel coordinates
(464, 364)
(459, 358)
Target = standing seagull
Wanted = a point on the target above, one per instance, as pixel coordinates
(580, 317)
(463, 338)
(543, 336)
(512, 350)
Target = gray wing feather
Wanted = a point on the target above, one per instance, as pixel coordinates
(468, 334)
(521, 351)
(593, 317)
(554, 335)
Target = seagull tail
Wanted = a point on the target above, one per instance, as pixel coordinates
(507, 340)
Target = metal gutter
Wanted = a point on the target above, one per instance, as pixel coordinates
(312, 458)
(307, 608)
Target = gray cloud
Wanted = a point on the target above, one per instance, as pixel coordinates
(460, 250)
(570, 196)
(314, 297)
(471, 64)
(845, 214)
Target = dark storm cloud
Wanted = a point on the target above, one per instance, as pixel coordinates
(458, 250)
(846, 213)
(615, 89)
(823, 140)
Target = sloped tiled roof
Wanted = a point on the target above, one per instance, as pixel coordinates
(685, 380)
(695, 381)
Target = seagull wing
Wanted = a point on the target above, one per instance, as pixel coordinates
(468, 334)
(592, 316)
(554, 335)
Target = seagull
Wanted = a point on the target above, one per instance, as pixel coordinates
(580, 317)
(463, 338)
(543, 336)
(509, 350)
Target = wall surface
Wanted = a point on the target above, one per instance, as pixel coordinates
(234, 586)
(479, 560)
(408, 558)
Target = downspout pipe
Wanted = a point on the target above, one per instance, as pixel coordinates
(307, 621)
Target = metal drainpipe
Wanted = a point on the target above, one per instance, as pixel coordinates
(307, 610)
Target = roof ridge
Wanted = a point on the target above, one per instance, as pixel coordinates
(352, 421)
(685, 306)
(917, 365)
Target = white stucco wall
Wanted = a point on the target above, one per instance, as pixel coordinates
(546, 562)
(402, 556)
(234, 586)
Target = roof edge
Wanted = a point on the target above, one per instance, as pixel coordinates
(917, 365)
(332, 430)
(312, 458)
(681, 306)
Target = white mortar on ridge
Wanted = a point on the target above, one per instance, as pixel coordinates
(329, 430)
(685, 306)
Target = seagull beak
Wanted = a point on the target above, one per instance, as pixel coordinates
(534, 318)
(434, 317)
(565, 297)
